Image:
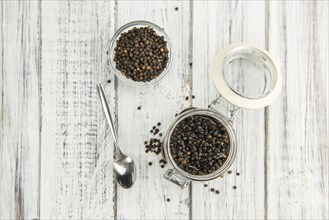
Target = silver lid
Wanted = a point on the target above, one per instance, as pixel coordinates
(229, 82)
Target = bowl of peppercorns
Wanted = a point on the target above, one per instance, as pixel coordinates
(140, 53)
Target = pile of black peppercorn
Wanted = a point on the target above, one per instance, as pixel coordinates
(199, 145)
(154, 146)
(141, 54)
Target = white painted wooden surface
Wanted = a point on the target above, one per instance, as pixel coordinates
(56, 152)
(230, 22)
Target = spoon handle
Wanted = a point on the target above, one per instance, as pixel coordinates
(107, 112)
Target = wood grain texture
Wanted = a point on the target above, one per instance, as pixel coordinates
(19, 178)
(159, 103)
(76, 154)
(56, 149)
(230, 22)
(297, 122)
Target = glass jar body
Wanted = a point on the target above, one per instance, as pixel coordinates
(210, 113)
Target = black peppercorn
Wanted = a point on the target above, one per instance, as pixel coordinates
(154, 146)
(156, 131)
(141, 54)
(195, 145)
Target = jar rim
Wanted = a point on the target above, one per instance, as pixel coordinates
(261, 56)
(206, 113)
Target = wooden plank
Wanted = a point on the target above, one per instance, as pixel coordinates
(1, 75)
(1, 88)
(159, 103)
(216, 24)
(19, 178)
(297, 124)
(76, 152)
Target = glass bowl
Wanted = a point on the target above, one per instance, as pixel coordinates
(125, 28)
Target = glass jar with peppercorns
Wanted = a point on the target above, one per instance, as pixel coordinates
(201, 143)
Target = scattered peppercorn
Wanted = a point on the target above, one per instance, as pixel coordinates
(139, 107)
(159, 124)
(205, 185)
(191, 64)
(199, 145)
(238, 174)
(212, 190)
(151, 131)
(150, 163)
(160, 134)
(145, 142)
(186, 98)
(234, 187)
(176, 8)
(141, 54)
(229, 172)
(154, 146)
(217, 191)
(193, 96)
(109, 81)
(154, 127)
(168, 200)
(156, 131)
(162, 166)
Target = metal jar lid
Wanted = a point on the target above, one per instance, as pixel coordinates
(257, 55)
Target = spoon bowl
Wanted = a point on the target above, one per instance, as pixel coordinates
(124, 170)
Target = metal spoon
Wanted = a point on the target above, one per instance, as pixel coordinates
(123, 166)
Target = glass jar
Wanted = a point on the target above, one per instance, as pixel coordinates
(179, 176)
(272, 86)
(125, 28)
